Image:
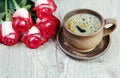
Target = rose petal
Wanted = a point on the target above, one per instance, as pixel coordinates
(48, 26)
(0, 32)
(32, 38)
(21, 24)
(22, 12)
(39, 2)
(9, 36)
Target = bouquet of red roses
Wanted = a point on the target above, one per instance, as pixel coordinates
(31, 21)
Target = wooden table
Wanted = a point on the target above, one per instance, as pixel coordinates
(48, 61)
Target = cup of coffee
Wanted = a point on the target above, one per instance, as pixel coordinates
(84, 29)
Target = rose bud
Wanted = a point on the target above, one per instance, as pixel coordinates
(22, 20)
(32, 38)
(9, 35)
(45, 8)
(48, 26)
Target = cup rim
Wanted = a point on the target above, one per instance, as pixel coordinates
(76, 10)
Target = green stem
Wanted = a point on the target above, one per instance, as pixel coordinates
(7, 14)
(6, 9)
(16, 5)
(1, 21)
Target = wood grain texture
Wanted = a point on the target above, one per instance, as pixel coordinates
(49, 61)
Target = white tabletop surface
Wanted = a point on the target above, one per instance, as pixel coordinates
(48, 61)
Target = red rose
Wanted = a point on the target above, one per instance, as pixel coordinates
(0, 32)
(45, 8)
(32, 38)
(48, 26)
(9, 36)
(22, 20)
(43, 12)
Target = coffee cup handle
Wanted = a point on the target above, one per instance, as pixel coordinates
(109, 30)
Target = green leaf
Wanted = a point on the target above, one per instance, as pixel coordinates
(23, 2)
(19, 1)
(2, 6)
(11, 5)
(27, 6)
(34, 1)
(2, 15)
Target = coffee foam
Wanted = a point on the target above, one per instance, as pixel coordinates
(83, 24)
